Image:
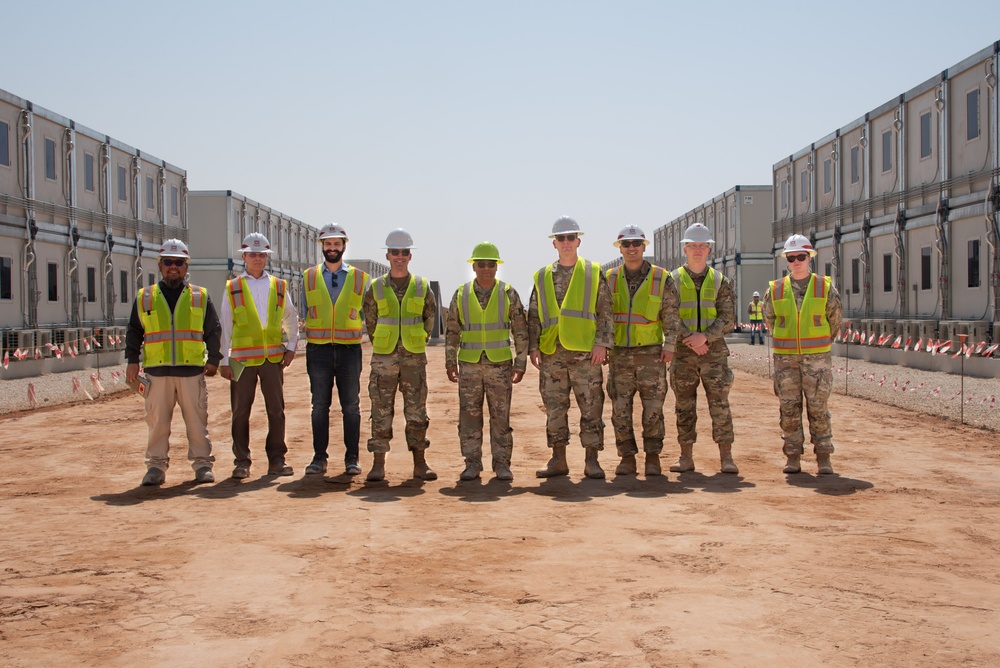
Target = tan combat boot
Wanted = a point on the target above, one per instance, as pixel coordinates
(726, 459)
(685, 462)
(421, 471)
(626, 466)
(792, 465)
(377, 473)
(557, 465)
(471, 471)
(823, 461)
(502, 470)
(592, 468)
(653, 464)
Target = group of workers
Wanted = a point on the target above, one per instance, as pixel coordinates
(643, 322)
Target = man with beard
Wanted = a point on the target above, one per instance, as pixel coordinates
(177, 330)
(334, 294)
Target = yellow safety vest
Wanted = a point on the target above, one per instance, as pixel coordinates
(804, 331)
(173, 339)
(484, 330)
(697, 310)
(252, 341)
(756, 311)
(637, 319)
(400, 321)
(327, 322)
(574, 322)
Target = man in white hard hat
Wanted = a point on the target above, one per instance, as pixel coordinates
(707, 312)
(484, 315)
(756, 312)
(803, 312)
(260, 330)
(570, 331)
(334, 293)
(645, 306)
(399, 310)
(175, 327)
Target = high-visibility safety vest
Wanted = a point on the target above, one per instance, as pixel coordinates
(400, 321)
(637, 319)
(756, 311)
(173, 339)
(804, 331)
(253, 342)
(484, 330)
(697, 310)
(574, 322)
(327, 322)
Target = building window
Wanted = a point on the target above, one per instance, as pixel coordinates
(91, 284)
(827, 176)
(122, 184)
(827, 269)
(123, 285)
(855, 164)
(925, 268)
(804, 185)
(855, 275)
(784, 194)
(4, 144)
(149, 192)
(6, 288)
(50, 159)
(53, 278)
(151, 278)
(925, 135)
(972, 115)
(173, 200)
(886, 151)
(88, 172)
(974, 280)
(887, 272)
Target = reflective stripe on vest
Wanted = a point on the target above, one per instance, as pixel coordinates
(399, 321)
(637, 319)
(573, 323)
(253, 339)
(484, 330)
(326, 322)
(173, 338)
(805, 330)
(697, 309)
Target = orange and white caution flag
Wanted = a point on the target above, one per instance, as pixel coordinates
(97, 343)
(6, 359)
(76, 384)
(32, 400)
(38, 353)
(898, 341)
(96, 382)
(917, 345)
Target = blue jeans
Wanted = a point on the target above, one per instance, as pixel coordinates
(327, 364)
(757, 330)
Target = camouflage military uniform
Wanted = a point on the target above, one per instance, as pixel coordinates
(402, 369)
(639, 369)
(712, 370)
(810, 376)
(568, 370)
(491, 380)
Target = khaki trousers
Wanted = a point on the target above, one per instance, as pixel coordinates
(191, 394)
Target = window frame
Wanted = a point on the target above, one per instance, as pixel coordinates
(50, 159)
(974, 274)
(4, 144)
(122, 180)
(926, 150)
(926, 271)
(972, 116)
(887, 151)
(89, 173)
(52, 281)
(855, 164)
(6, 278)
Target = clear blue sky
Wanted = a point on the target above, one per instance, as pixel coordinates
(465, 120)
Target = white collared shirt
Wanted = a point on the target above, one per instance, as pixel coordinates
(260, 292)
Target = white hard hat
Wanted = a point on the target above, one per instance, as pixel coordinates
(630, 232)
(565, 225)
(174, 248)
(798, 244)
(332, 231)
(756, 294)
(697, 234)
(255, 242)
(398, 238)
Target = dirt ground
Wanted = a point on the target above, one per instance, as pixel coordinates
(893, 562)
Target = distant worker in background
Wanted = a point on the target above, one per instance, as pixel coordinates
(399, 311)
(483, 317)
(334, 324)
(175, 326)
(756, 313)
(644, 307)
(570, 331)
(803, 310)
(260, 330)
(707, 312)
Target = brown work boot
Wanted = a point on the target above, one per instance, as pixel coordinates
(471, 471)
(685, 462)
(726, 459)
(792, 465)
(421, 471)
(626, 466)
(557, 465)
(502, 471)
(653, 464)
(591, 467)
(377, 472)
(823, 461)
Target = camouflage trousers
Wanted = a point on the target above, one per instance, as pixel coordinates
(566, 371)
(809, 376)
(492, 382)
(632, 370)
(712, 371)
(409, 374)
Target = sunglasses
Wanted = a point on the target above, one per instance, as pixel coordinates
(399, 251)
(798, 257)
(168, 262)
(565, 237)
(334, 280)
(486, 264)
(633, 243)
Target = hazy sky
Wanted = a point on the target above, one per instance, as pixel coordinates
(463, 121)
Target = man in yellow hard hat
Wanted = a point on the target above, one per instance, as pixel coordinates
(483, 317)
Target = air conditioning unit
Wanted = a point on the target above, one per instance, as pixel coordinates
(26, 340)
(887, 327)
(979, 330)
(43, 341)
(927, 329)
(65, 338)
(950, 329)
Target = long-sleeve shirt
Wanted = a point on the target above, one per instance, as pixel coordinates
(260, 292)
(834, 307)
(670, 319)
(560, 281)
(370, 309)
(518, 328)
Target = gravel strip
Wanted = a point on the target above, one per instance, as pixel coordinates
(53, 389)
